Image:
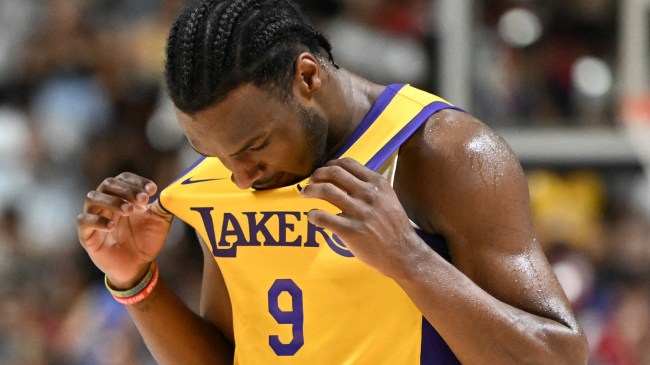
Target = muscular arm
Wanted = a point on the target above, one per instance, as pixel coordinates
(500, 303)
(176, 335)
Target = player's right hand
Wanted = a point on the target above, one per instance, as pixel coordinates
(120, 230)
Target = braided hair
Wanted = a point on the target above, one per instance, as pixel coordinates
(216, 45)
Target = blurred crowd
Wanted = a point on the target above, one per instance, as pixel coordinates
(82, 98)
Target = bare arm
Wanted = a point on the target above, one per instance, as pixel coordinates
(123, 234)
(176, 335)
(513, 308)
(499, 303)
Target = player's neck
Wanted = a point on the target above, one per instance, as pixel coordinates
(356, 97)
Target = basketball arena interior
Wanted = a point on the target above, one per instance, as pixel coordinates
(565, 82)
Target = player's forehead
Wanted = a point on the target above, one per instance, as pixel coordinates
(244, 112)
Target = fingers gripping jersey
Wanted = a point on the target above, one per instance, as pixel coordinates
(298, 295)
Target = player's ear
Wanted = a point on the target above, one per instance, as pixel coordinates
(307, 77)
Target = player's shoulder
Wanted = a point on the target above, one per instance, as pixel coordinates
(452, 136)
(453, 148)
(455, 161)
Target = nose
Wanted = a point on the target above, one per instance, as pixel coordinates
(244, 174)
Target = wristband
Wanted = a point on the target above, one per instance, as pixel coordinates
(138, 288)
(148, 289)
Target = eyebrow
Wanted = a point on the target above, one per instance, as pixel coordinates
(249, 143)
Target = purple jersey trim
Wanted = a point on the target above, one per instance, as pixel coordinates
(380, 157)
(434, 349)
(436, 242)
(162, 206)
(377, 108)
(195, 164)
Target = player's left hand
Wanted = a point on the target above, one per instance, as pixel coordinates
(372, 222)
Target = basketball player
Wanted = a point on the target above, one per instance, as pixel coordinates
(342, 222)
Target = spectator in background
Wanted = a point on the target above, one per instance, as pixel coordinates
(241, 75)
(65, 81)
(59, 49)
(391, 35)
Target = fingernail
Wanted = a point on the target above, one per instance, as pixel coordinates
(150, 187)
(110, 224)
(142, 197)
(125, 207)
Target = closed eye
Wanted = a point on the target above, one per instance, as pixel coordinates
(259, 147)
(254, 144)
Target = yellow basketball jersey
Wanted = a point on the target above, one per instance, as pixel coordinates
(298, 295)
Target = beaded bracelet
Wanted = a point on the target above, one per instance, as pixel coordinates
(139, 292)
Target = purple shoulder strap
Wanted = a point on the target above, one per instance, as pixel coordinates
(377, 108)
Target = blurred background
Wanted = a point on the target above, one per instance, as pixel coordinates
(81, 98)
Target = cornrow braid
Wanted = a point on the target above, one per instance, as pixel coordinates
(171, 59)
(223, 40)
(273, 28)
(189, 45)
(216, 45)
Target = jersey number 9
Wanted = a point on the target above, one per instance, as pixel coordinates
(294, 317)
